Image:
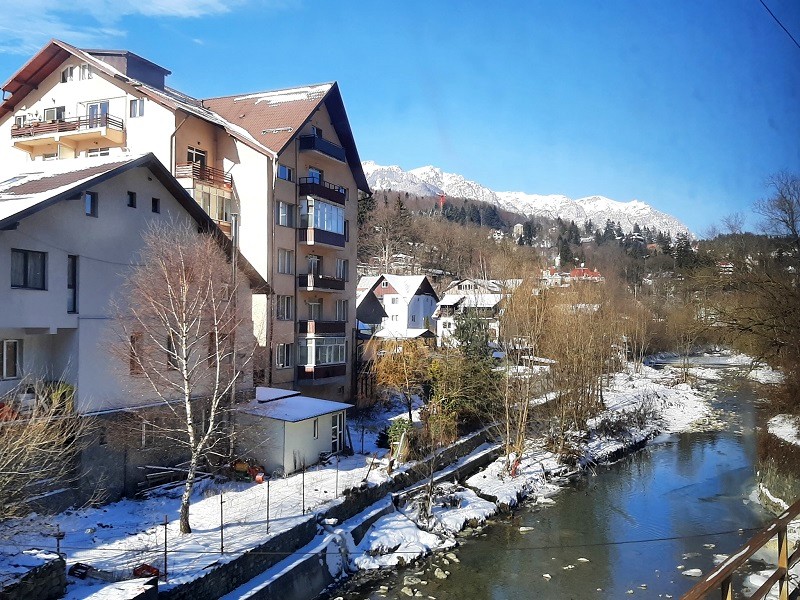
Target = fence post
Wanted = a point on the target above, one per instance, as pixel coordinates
(221, 526)
(303, 488)
(165, 548)
(336, 488)
(267, 505)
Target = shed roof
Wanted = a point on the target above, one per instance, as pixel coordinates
(293, 409)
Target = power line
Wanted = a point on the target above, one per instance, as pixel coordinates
(778, 21)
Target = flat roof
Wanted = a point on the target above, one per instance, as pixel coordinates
(293, 408)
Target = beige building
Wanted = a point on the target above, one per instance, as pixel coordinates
(285, 161)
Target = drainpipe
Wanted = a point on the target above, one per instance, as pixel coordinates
(172, 161)
(271, 262)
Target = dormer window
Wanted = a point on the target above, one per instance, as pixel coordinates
(85, 72)
(67, 74)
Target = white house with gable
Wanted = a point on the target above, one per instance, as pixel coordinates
(409, 302)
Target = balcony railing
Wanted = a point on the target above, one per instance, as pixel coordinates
(210, 175)
(313, 142)
(320, 282)
(73, 124)
(315, 372)
(311, 186)
(313, 236)
(317, 327)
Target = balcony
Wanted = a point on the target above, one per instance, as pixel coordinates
(320, 283)
(203, 174)
(319, 327)
(319, 237)
(309, 374)
(311, 186)
(323, 146)
(103, 129)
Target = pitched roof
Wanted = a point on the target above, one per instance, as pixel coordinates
(407, 286)
(43, 184)
(274, 118)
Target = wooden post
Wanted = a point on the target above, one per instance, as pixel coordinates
(221, 527)
(336, 487)
(303, 488)
(783, 563)
(267, 505)
(726, 587)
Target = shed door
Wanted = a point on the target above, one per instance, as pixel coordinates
(337, 432)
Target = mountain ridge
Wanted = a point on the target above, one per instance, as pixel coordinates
(433, 181)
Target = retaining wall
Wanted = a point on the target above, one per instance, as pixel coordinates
(45, 582)
(226, 578)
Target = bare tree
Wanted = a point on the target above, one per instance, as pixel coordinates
(39, 444)
(183, 332)
(401, 366)
(781, 211)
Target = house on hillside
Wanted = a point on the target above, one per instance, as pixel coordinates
(284, 160)
(68, 232)
(584, 274)
(409, 302)
(481, 298)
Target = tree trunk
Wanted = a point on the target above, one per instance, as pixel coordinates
(187, 496)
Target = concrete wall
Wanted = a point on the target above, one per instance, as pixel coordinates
(228, 577)
(301, 447)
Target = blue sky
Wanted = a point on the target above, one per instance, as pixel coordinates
(687, 105)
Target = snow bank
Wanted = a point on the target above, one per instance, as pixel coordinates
(785, 427)
(396, 540)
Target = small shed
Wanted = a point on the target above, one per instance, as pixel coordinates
(283, 430)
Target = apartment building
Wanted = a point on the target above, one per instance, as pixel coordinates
(284, 161)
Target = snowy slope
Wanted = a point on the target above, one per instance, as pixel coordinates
(432, 181)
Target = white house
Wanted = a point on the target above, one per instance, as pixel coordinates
(476, 297)
(284, 431)
(409, 302)
(69, 230)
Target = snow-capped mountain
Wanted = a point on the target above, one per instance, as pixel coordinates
(432, 181)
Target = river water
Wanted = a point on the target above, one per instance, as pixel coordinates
(628, 530)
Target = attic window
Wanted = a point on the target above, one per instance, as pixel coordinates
(66, 74)
(85, 72)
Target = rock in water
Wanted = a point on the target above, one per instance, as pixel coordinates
(693, 572)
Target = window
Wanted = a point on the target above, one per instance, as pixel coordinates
(85, 72)
(346, 229)
(285, 261)
(395, 317)
(155, 205)
(134, 354)
(316, 131)
(19, 121)
(67, 74)
(321, 215)
(316, 175)
(284, 214)
(322, 351)
(132, 199)
(316, 429)
(315, 310)
(28, 269)
(11, 356)
(384, 284)
(72, 284)
(285, 173)
(342, 309)
(97, 113)
(50, 156)
(343, 269)
(395, 299)
(92, 152)
(195, 155)
(314, 262)
(284, 310)
(148, 434)
(90, 204)
(136, 108)
(284, 355)
(55, 113)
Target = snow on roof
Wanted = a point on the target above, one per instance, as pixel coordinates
(482, 300)
(43, 180)
(451, 299)
(402, 334)
(405, 285)
(293, 409)
(264, 394)
(309, 92)
(367, 281)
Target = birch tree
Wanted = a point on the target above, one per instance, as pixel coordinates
(179, 326)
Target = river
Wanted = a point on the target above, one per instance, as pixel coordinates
(627, 530)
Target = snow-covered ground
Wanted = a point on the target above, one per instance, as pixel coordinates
(786, 427)
(125, 534)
